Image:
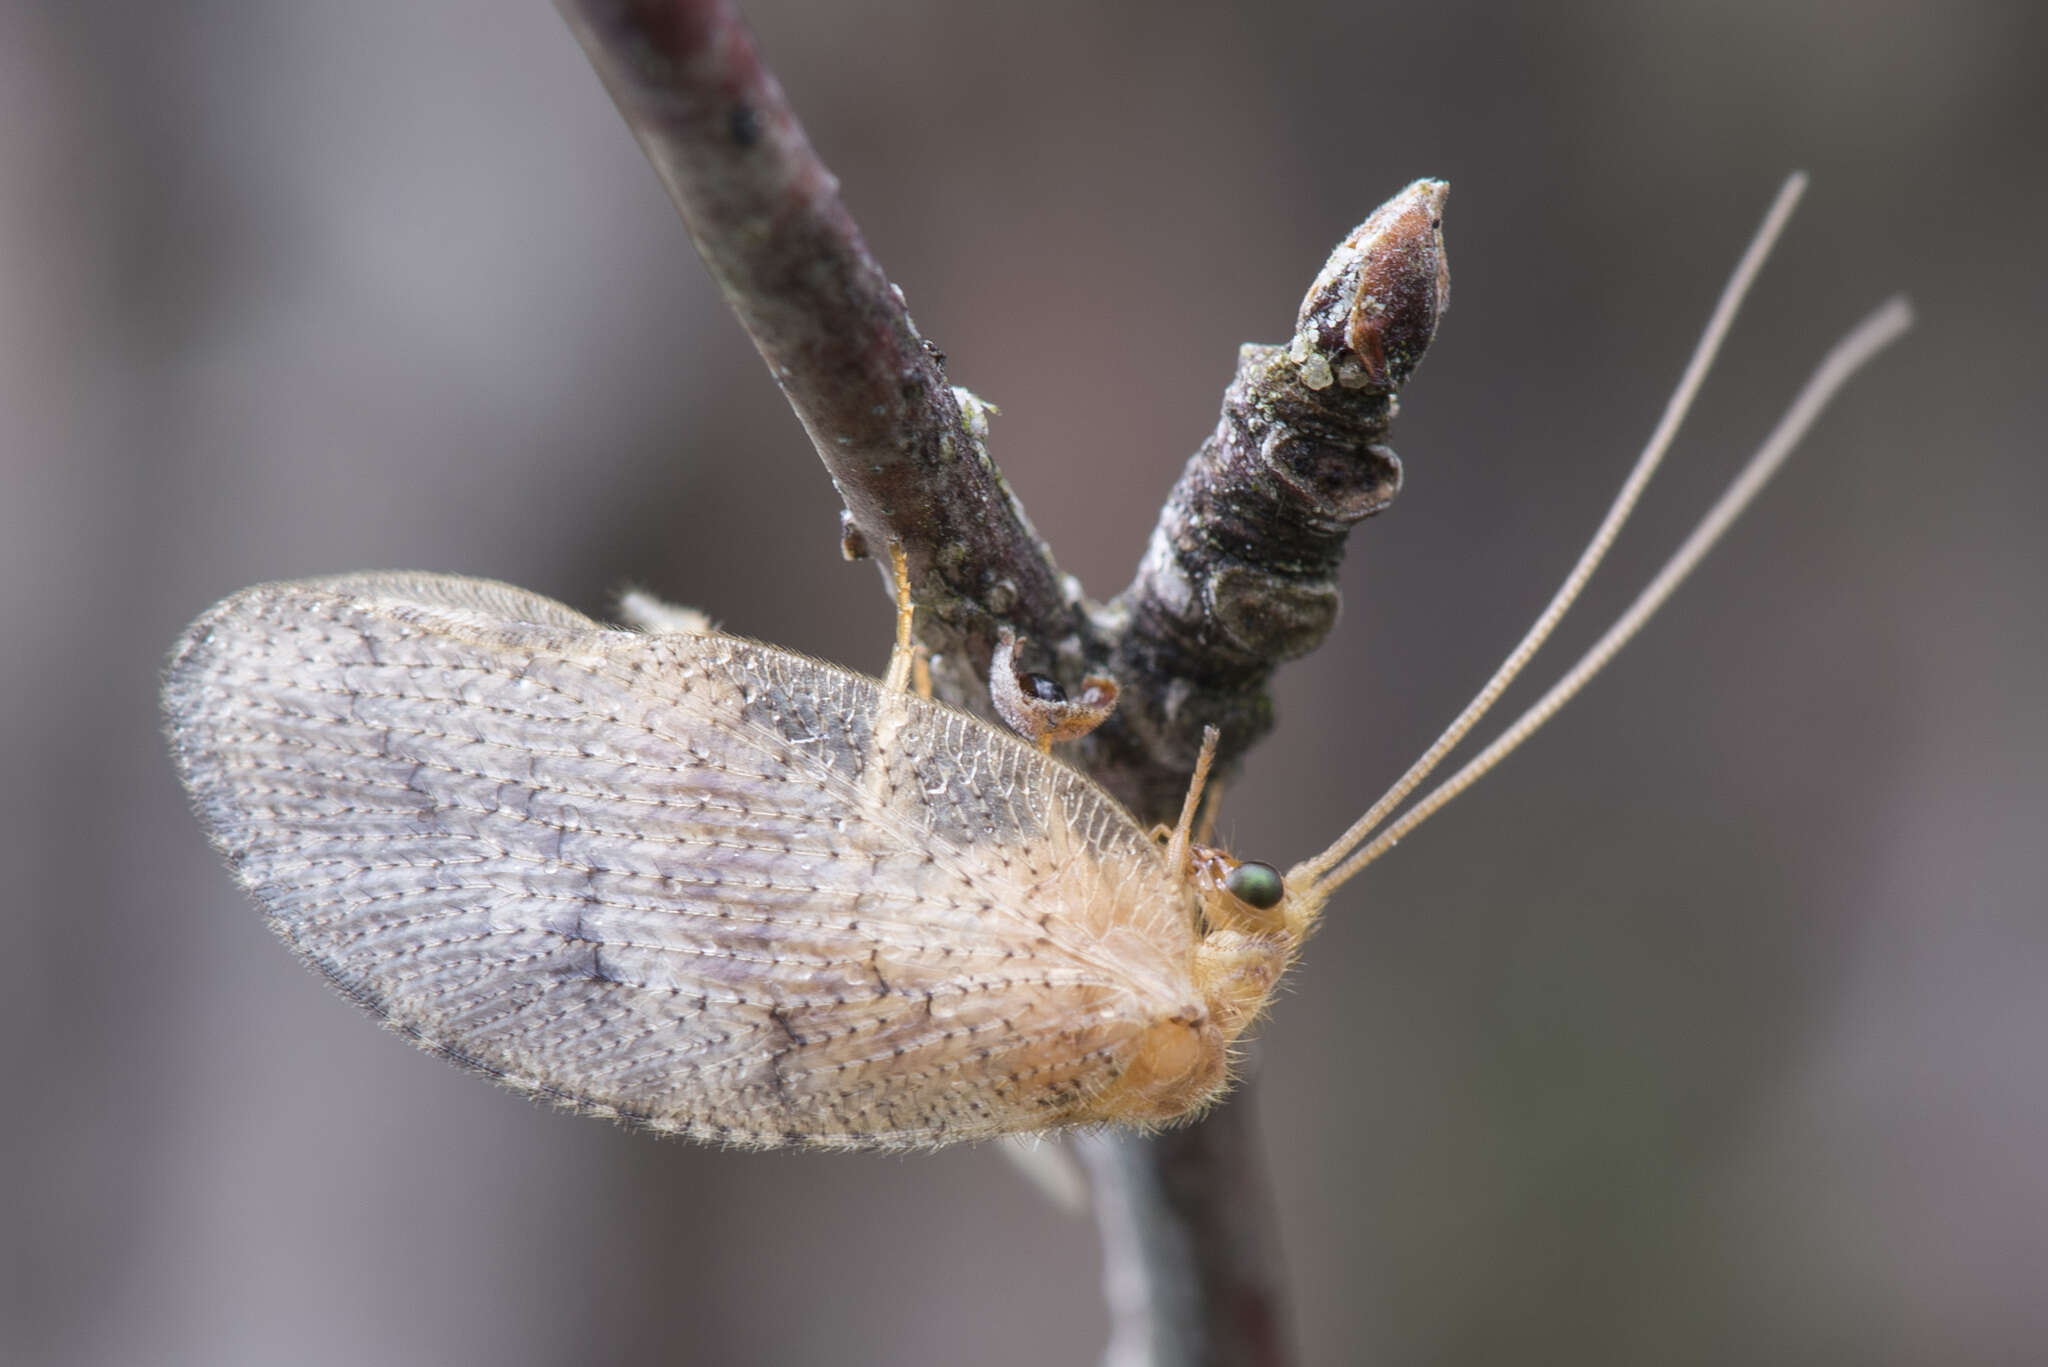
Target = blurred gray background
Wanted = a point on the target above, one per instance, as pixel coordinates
(1714, 1028)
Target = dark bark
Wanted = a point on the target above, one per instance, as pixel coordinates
(1239, 575)
(1193, 1267)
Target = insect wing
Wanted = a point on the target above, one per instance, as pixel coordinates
(684, 880)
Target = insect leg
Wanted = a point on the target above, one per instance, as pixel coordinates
(900, 658)
(639, 608)
(1212, 802)
(1177, 847)
(892, 709)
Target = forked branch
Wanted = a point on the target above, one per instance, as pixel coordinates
(1239, 574)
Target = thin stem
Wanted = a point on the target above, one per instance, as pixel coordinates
(1192, 1269)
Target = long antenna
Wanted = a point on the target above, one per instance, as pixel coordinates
(1869, 337)
(1624, 503)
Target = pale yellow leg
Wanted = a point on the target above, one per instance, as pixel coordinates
(893, 708)
(921, 672)
(1177, 847)
(1212, 802)
(897, 680)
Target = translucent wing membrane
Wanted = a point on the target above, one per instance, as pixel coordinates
(677, 879)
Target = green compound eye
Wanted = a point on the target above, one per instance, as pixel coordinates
(1256, 885)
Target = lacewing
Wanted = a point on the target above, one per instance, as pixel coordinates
(720, 889)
